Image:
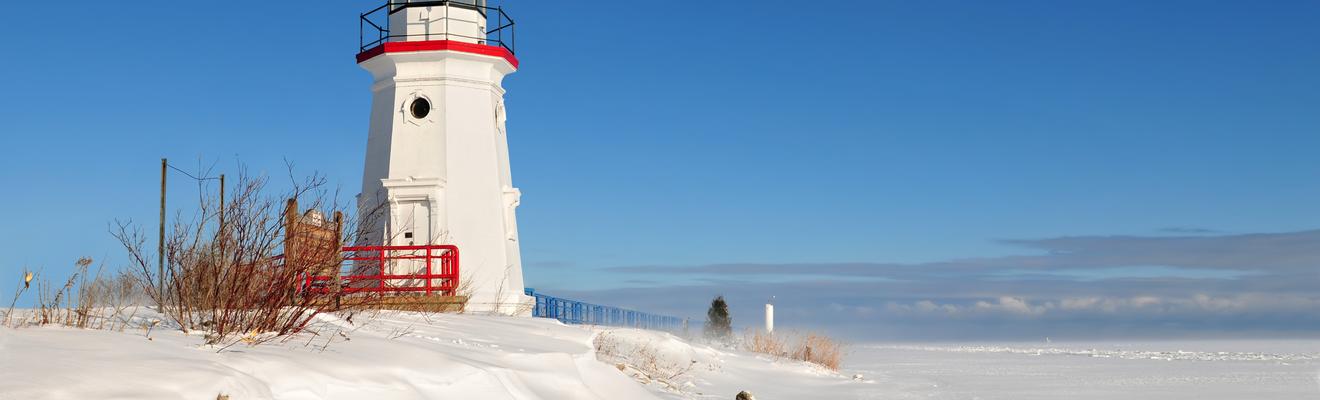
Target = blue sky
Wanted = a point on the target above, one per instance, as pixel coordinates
(815, 151)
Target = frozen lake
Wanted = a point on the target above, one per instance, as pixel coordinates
(1201, 370)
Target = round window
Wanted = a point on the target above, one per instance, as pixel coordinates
(420, 108)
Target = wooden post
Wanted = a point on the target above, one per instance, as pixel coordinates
(222, 203)
(160, 247)
(337, 260)
(339, 228)
(338, 244)
(223, 237)
(291, 245)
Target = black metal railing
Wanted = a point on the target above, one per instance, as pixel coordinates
(374, 25)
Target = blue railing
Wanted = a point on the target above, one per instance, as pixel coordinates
(576, 312)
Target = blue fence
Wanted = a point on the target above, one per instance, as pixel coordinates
(576, 312)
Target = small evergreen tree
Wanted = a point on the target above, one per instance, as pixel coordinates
(719, 325)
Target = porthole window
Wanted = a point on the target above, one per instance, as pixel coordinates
(420, 108)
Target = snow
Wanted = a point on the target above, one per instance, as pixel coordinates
(697, 371)
(399, 355)
(394, 356)
(1200, 370)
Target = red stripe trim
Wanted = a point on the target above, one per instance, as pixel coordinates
(437, 45)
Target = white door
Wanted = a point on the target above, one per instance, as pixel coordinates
(414, 222)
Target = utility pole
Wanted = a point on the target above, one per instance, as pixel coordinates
(222, 202)
(222, 236)
(160, 247)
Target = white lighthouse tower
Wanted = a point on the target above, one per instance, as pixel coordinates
(437, 162)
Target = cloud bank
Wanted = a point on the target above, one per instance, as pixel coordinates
(1084, 287)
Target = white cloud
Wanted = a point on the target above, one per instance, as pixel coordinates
(1200, 304)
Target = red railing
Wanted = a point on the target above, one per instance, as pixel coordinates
(393, 270)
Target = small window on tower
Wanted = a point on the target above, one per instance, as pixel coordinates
(420, 108)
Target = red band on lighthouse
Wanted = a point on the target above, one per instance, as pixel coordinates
(437, 45)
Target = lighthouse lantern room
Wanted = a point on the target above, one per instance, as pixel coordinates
(437, 160)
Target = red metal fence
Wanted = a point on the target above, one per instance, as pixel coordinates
(393, 270)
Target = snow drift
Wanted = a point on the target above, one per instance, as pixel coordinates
(394, 355)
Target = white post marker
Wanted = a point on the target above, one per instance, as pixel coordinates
(769, 317)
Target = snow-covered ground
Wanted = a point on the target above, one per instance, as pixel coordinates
(415, 356)
(1200, 370)
(677, 369)
(395, 356)
(392, 356)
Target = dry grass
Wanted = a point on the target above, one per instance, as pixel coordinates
(464, 292)
(765, 343)
(83, 300)
(811, 347)
(502, 307)
(644, 362)
(818, 349)
(23, 286)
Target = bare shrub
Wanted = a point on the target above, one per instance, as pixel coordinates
(223, 274)
(811, 347)
(765, 343)
(818, 349)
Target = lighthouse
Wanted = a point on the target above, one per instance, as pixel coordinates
(437, 159)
